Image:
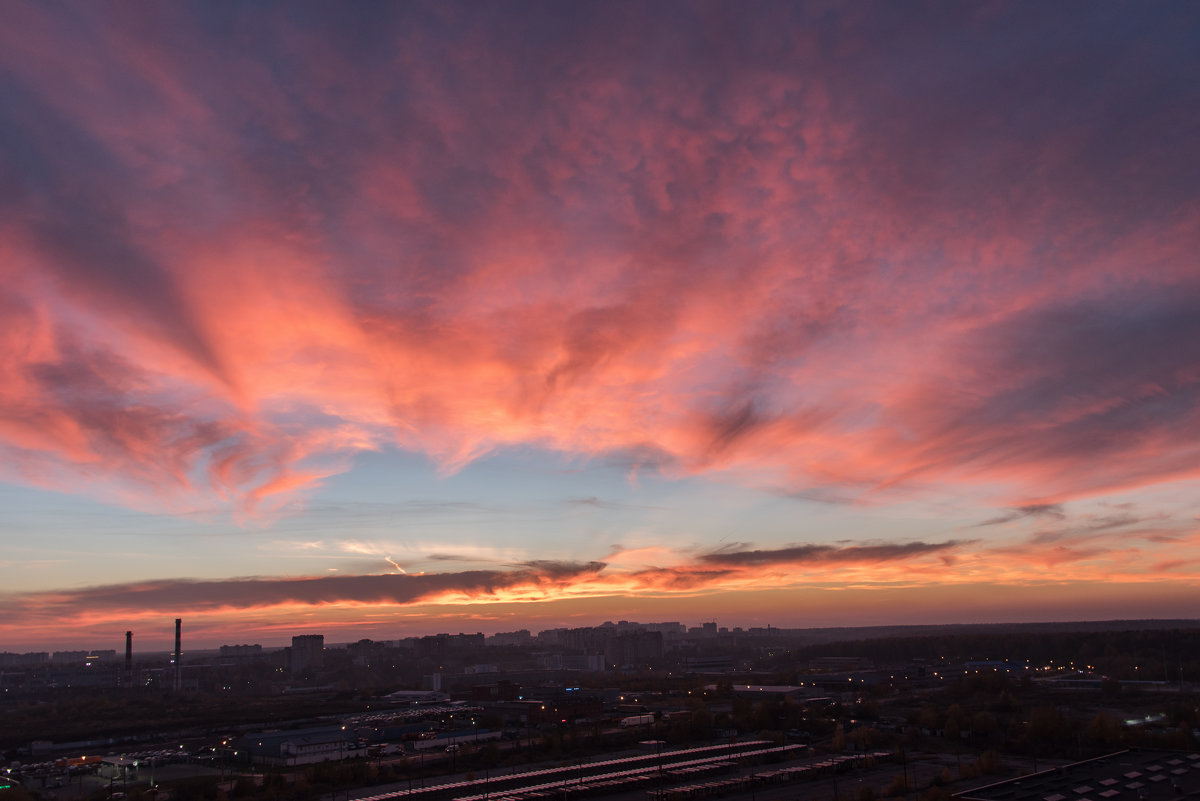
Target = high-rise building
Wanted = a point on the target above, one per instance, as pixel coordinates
(634, 648)
(308, 653)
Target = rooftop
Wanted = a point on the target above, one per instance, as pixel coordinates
(1135, 775)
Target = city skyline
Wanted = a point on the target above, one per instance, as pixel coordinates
(413, 317)
(154, 644)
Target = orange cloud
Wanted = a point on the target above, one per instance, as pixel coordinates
(965, 569)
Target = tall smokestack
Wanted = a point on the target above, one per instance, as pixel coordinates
(178, 653)
(129, 659)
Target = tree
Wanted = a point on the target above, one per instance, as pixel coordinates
(984, 725)
(864, 738)
(897, 786)
(1103, 729)
(838, 743)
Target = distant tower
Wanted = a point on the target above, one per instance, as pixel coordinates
(129, 659)
(178, 653)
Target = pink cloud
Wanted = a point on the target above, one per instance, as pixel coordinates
(806, 272)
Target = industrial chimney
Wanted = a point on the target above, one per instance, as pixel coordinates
(129, 659)
(178, 653)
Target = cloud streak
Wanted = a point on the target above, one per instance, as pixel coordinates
(391, 589)
(827, 554)
(1103, 559)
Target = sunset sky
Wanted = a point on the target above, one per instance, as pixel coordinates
(380, 319)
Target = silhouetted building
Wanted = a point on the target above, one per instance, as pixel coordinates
(553, 661)
(241, 651)
(308, 653)
(522, 637)
(634, 648)
(437, 646)
(299, 746)
(710, 663)
(365, 653)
